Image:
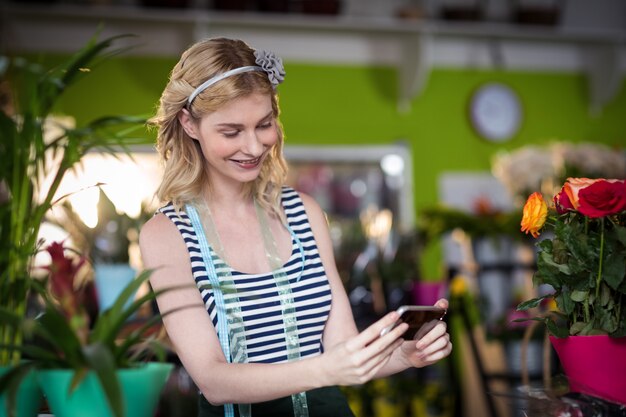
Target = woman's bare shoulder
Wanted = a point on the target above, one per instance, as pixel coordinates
(311, 206)
(161, 242)
(158, 228)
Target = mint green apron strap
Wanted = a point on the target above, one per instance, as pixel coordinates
(230, 329)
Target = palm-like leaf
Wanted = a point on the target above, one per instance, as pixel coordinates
(26, 168)
(107, 350)
(10, 383)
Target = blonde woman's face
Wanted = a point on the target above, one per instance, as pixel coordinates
(237, 138)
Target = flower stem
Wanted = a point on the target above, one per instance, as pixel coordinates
(599, 277)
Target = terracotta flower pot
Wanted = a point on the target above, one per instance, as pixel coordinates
(594, 365)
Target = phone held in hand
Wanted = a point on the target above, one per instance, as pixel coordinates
(416, 317)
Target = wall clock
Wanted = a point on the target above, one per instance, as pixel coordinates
(495, 112)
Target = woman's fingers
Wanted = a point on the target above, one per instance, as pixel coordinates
(438, 354)
(377, 361)
(372, 333)
(434, 334)
(367, 352)
(435, 346)
(442, 303)
(356, 361)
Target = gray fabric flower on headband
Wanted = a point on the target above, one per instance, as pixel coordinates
(272, 65)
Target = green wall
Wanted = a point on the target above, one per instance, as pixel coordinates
(326, 104)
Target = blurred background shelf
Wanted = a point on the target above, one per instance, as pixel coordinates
(413, 46)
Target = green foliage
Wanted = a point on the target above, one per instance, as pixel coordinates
(34, 164)
(435, 221)
(585, 264)
(52, 343)
(402, 265)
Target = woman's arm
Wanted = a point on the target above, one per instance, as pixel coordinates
(434, 346)
(195, 340)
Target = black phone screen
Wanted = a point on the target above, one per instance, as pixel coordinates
(416, 317)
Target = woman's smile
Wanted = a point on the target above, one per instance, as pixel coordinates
(248, 163)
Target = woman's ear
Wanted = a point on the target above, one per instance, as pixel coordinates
(188, 124)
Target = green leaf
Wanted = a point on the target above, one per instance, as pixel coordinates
(586, 329)
(25, 164)
(607, 321)
(549, 261)
(110, 321)
(56, 81)
(532, 303)
(102, 362)
(10, 383)
(56, 330)
(80, 374)
(565, 304)
(577, 327)
(614, 269)
(620, 233)
(606, 298)
(579, 296)
(555, 329)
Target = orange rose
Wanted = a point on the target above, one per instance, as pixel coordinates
(534, 214)
(573, 186)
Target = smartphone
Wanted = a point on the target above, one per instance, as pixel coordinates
(416, 317)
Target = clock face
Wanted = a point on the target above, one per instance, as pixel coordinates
(495, 112)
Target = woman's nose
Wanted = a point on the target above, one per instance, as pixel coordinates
(253, 145)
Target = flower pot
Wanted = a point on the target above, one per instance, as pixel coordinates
(141, 388)
(594, 365)
(29, 396)
(427, 293)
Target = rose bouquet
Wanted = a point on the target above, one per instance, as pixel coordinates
(584, 259)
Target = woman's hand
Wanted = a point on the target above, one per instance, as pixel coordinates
(430, 347)
(358, 359)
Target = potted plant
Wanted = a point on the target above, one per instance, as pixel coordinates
(106, 245)
(34, 163)
(89, 368)
(584, 261)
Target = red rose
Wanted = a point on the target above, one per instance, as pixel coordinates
(602, 198)
(562, 202)
(573, 186)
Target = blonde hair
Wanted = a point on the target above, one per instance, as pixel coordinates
(184, 176)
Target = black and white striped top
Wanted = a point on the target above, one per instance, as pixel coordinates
(259, 300)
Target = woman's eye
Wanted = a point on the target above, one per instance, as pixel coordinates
(265, 125)
(231, 134)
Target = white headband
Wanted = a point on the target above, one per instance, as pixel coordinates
(267, 62)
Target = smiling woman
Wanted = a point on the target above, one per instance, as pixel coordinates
(235, 139)
(268, 330)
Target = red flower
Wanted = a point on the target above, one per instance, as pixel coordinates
(63, 271)
(562, 202)
(572, 188)
(602, 198)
